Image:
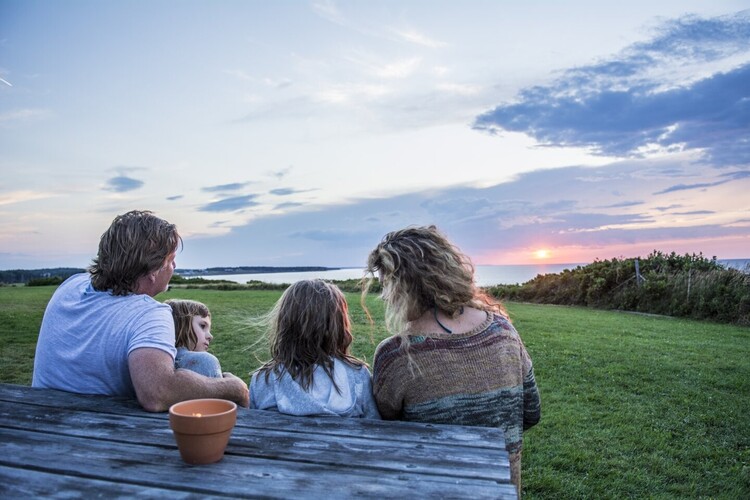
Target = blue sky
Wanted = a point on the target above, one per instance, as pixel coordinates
(298, 133)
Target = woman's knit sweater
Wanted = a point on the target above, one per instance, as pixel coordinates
(483, 377)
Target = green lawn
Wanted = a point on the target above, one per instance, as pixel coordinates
(632, 406)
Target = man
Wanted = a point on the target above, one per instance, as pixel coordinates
(103, 333)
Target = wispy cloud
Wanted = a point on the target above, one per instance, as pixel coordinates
(686, 187)
(327, 235)
(624, 204)
(418, 38)
(344, 93)
(21, 196)
(552, 207)
(328, 10)
(231, 204)
(281, 173)
(696, 212)
(23, 115)
(234, 186)
(399, 69)
(643, 101)
(289, 204)
(285, 191)
(122, 184)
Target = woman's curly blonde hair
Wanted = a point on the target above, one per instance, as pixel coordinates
(421, 270)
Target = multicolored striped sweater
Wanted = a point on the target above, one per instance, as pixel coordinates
(483, 377)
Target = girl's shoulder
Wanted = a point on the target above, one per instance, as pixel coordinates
(187, 353)
(354, 365)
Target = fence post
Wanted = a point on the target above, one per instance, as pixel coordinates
(638, 276)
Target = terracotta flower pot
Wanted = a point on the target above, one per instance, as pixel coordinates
(202, 428)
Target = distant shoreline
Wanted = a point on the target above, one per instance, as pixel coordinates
(24, 275)
(212, 271)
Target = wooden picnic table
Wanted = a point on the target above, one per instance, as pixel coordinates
(60, 444)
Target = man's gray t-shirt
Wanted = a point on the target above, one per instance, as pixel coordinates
(87, 335)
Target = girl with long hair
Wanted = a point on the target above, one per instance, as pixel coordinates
(311, 371)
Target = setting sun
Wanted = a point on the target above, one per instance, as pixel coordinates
(542, 253)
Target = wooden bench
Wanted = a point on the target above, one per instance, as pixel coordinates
(54, 443)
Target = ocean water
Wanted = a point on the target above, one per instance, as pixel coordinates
(741, 264)
(485, 275)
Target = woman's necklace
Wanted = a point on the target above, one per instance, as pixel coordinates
(447, 330)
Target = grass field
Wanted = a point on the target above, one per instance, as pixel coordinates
(633, 406)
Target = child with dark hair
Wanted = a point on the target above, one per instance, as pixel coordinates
(311, 371)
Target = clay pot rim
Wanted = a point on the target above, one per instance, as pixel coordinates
(175, 410)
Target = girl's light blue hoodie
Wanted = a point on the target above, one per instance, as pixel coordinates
(285, 395)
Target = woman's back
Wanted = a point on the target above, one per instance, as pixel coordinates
(483, 377)
(472, 378)
(455, 357)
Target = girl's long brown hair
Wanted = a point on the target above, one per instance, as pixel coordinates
(309, 326)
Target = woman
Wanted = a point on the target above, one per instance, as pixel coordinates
(455, 357)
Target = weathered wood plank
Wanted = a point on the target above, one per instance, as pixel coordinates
(371, 451)
(236, 475)
(410, 432)
(27, 483)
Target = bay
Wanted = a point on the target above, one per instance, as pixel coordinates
(485, 275)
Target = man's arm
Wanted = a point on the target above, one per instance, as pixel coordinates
(158, 385)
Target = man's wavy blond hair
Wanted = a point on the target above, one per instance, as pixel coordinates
(135, 244)
(421, 270)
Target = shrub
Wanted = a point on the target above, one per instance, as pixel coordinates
(52, 280)
(687, 285)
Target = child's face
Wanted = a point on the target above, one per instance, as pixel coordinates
(202, 329)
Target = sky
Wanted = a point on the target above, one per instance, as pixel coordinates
(298, 133)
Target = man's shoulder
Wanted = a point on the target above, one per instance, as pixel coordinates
(77, 281)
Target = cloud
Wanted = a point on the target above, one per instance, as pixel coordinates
(122, 184)
(554, 207)
(685, 187)
(23, 115)
(417, 38)
(284, 191)
(175, 197)
(696, 212)
(398, 69)
(225, 187)
(14, 197)
(328, 235)
(656, 97)
(727, 177)
(328, 10)
(231, 204)
(281, 173)
(624, 204)
(282, 206)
